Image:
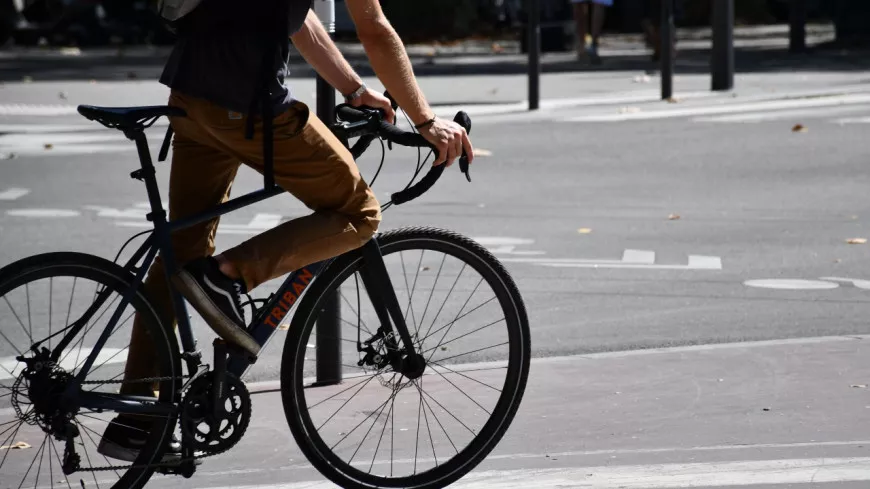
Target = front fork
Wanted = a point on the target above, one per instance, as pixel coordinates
(383, 297)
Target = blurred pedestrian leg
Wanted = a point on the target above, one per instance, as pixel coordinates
(589, 19)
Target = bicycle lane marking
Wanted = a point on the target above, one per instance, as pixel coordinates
(13, 193)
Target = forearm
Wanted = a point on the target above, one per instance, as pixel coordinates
(390, 62)
(314, 44)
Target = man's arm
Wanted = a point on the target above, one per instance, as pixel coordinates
(390, 62)
(314, 44)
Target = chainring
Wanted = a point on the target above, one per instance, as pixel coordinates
(198, 416)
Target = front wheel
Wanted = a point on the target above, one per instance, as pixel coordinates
(378, 427)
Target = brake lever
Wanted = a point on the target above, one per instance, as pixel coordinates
(463, 120)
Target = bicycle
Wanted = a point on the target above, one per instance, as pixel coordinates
(210, 407)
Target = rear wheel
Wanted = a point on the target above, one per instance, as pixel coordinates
(40, 298)
(386, 425)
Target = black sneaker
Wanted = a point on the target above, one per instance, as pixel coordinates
(216, 297)
(125, 437)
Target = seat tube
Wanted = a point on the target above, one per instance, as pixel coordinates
(162, 236)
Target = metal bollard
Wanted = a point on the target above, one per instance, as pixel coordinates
(797, 35)
(534, 28)
(667, 49)
(722, 62)
(328, 343)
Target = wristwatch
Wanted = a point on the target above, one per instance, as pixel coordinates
(356, 93)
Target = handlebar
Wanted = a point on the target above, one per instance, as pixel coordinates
(368, 124)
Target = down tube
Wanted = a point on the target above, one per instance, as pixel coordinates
(275, 310)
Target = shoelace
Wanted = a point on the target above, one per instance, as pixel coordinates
(237, 288)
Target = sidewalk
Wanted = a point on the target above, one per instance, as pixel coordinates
(731, 414)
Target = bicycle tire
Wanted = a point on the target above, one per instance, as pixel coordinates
(292, 375)
(167, 358)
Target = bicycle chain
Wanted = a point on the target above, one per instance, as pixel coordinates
(173, 463)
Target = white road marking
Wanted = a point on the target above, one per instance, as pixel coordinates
(854, 120)
(43, 213)
(13, 193)
(860, 284)
(639, 256)
(46, 128)
(790, 284)
(632, 259)
(37, 109)
(674, 475)
(726, 108)
(503, 245)
(784, 114)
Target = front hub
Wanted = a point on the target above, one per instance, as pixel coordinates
(413, 366)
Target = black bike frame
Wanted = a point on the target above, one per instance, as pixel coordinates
(375, 278)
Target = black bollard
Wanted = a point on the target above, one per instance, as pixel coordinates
(667, 49)
(534, 29)
(722, 62)
(797, 35)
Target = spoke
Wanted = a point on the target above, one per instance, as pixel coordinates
(345, 402)
(463, 392)
(345, 390)
(50, 465)
(111, 357)
(431, 293)
(8, 372)
(448, 412)
(473, 351)
(358, 425)
(364, 325)
(439, 345)
(6, 442)
(20, 322)
(81, 340)
(454, 321)
(71, 296)
(417, 441)
(428, 426)
(410, 292)
(50, 289)
(441, 425)
(95, 444)
(31, 464)
(88, 457)
(467, 377)
(445, 299)
(60, 464)
(374, 422)
(383, 430)
(457, 316)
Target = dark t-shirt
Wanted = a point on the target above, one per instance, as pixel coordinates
(223, 65)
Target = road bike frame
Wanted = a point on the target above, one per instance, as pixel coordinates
(374, 275)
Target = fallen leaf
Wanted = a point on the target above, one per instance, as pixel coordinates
(283, 327)
(584, 230)
(426, 269)
(48, 146)
(859, 386)
(497, 48)
(766, 409)
(482, 152)
(799, 128)
(8, 156)
(443, 348)
(673, 100)
(857, 241)
(673, 217)
(62, 95)
(19, 445)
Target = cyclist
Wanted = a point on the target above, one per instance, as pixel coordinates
(213, 74)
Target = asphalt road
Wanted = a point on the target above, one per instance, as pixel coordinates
(627, 224)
